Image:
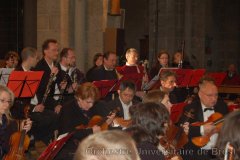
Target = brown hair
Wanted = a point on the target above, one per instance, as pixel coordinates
(87, 90)
(155, 96)
(46, 43)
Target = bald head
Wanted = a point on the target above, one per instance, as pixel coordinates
(208, 92)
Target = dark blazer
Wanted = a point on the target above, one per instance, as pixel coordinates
(72, 116)
(50, 102)
(114, 104)
(100, 73)
(197, 113)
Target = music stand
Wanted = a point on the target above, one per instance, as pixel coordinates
(24, 83)
(196, 76)
(105, 86)
(4, 74)
(176, 111)
(218, 77)
(136, 78)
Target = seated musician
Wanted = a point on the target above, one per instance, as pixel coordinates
(65, 81)
(149, 123)
(201, 109)
(8, 125)
(162, 62)
(125, 99)
(131, 66)
(107, 70)
(179, 62)
(78, 112)
(168, 84)
(158, 96)
(97, 61)
(119, 143)
(229, 133)
(11, 59)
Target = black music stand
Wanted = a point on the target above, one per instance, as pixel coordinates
(4, 75)
(24, 83)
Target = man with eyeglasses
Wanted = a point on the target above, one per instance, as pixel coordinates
(201, 109)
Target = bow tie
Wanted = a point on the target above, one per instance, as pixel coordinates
(208, 109)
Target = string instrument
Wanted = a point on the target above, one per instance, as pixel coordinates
(19, 142)
(122, 122)
(229, 150)
(52, 150)
(97, 120)
(216, 119)
(175, 138)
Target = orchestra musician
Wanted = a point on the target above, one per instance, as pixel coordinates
(116, 141)
(107, 70)
(179, 61)
(162, 62)
(46, 107)
(157, 96)
(149, 124)
(125, 99)
(30, 57)
(64, 79)
(131, 66)
(229, 133)
(78, 112)
(11, 59)
(8, 125)
(97, 61)
(202, 108)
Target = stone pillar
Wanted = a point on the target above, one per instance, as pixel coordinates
(30, 23)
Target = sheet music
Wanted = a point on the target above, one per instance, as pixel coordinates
(4, 74)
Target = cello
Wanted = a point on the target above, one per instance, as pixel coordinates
(19, 142)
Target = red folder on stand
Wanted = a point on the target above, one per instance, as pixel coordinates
(183, 77)
(176, 111)
(24, 83)
(106, 86)
(196, 76)
(218, 77)
(136, 78)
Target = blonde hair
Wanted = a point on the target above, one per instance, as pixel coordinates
(87, 90)
(7, 90)
(107, 145)
(155, 96)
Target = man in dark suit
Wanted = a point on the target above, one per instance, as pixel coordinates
(107, 70)
(126, 92)
(200, 110)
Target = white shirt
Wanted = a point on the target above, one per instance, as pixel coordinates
(213, 138)
(126, 114)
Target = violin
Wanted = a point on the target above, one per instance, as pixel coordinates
(19, 143)
(175, 138)
(97, 120)
(217, 119)
(122, 122)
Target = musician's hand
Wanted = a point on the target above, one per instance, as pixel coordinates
(63, 85)
(39, 108)
(74, 86)
(26, 125)
(54, 70)
(110, 118)
(186, 127)
(209, 128)
(57, 109)
(96, 129)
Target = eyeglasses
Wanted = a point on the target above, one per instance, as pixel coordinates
(210, 95)
(4, 101)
